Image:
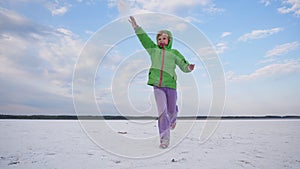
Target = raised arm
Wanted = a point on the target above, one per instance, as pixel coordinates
(133, 22)
(142, 35)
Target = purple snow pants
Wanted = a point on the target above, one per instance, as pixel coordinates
(166, 99)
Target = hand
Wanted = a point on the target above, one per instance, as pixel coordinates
(133, 22)
(191, 67)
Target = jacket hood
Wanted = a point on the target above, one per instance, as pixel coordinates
(169, 46)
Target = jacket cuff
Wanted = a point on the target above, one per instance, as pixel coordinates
(136, 29)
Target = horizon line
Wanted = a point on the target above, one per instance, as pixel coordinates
(119, 117)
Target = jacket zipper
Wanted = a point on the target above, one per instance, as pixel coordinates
(162, 66)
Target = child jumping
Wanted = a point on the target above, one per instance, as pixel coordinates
(162, 77)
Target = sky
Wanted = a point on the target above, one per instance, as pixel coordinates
(43, 45)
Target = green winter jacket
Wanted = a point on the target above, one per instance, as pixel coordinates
(163, 61)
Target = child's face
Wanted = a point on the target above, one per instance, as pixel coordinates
(163, 39)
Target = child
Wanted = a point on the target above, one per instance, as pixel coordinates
(162, 77)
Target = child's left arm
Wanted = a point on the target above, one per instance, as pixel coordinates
(184, 65)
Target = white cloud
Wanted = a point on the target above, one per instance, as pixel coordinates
(287, 6)
(56, 8)
(192, 19)
(224, 34)
(89, 32)
(266, 71)
(37, 64)
(164, 6)
(47, 60)
(265, 2)
(12, 16)
(268, 60)
(290, 6)
(221, 47)
(258, 34)
(170, 6)
(156, 22)
(65, 31)
(112, 59)
(123, 7)
(282, 49)
(212, 9)
(210, 52)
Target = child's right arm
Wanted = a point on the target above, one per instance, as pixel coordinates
(142, 35)
(133, 22)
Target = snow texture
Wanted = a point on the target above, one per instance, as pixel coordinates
(61, 144)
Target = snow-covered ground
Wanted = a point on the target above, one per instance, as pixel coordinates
(64, 144)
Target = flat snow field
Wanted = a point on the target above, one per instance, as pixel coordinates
(69, 144)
